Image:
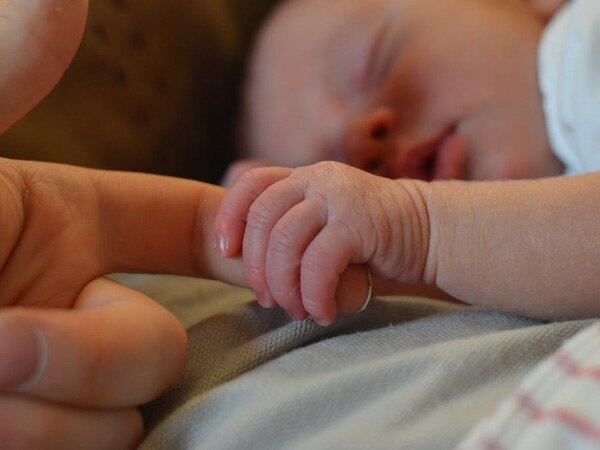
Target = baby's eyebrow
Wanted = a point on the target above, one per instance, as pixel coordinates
(369, 26)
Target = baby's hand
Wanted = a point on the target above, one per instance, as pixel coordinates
(300, 228)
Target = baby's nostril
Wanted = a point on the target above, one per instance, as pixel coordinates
(379, 132)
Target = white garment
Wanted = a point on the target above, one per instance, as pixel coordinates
(569, 76)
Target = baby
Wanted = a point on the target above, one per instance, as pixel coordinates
(412, 91)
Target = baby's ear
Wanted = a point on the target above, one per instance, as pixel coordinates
(545, 9)
(237, 168)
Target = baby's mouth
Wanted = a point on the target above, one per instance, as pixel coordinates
(441, 158)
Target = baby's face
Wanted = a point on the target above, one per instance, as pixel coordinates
(424, 89)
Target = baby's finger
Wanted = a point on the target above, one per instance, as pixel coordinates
(324, 260)
(230, 220)
(117, 348)
(29, 423)
(289, 239)
(264, 213)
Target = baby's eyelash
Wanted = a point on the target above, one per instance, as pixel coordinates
(377, 60)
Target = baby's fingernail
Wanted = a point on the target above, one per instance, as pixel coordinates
(322, 321)
(268, 301)
(260, 297)
(299, 315)
(23, 354)
(222, 245)
(264, 299)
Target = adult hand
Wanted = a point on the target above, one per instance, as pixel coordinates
(77, 352)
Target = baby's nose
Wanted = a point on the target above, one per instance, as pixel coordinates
(367, 140)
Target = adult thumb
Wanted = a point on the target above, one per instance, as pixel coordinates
(38, 40)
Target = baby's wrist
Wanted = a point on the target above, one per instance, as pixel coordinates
(411, 224)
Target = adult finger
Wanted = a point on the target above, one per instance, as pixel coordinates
(116, 348)
(38, 39)
(73, 225)
(29, 423)
(157, 224)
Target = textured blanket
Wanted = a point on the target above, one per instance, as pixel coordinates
(407, 373)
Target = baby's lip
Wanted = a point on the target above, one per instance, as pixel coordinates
(442, 157)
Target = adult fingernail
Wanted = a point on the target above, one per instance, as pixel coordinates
(23, 354)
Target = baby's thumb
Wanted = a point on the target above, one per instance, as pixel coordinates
(38, 40)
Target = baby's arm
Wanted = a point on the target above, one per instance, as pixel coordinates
(529, 247)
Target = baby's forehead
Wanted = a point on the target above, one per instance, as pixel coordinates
(303, 28)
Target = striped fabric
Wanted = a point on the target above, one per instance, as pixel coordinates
(557, 406)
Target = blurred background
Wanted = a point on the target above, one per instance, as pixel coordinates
(155, 88)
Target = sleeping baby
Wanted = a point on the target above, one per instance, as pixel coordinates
(428, 139)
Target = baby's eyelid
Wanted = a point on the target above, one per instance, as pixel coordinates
(378, 59)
